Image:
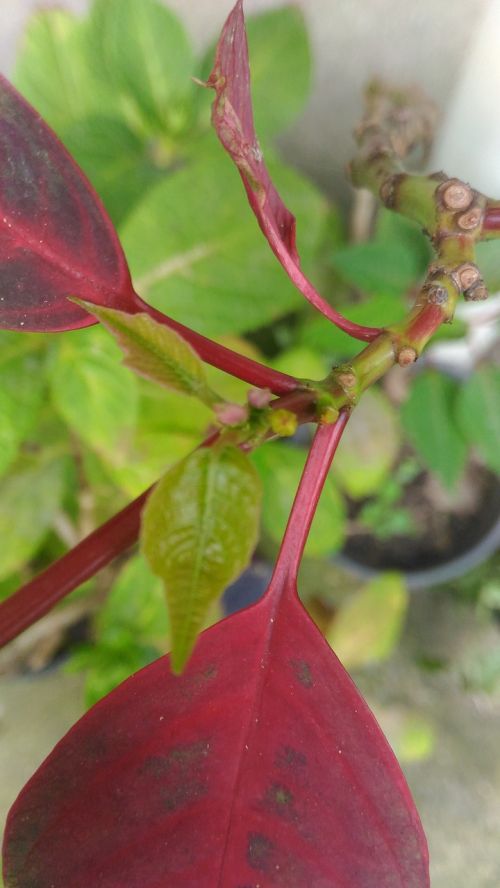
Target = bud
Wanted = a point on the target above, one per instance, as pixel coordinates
(231, 414)
(283, 422)
(259, 398)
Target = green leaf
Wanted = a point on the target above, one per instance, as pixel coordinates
(29, 499)
(142, 50)
(114, 158)
(94, 395)
(427, 418)
(336, 345)
(198, 532)
(196, 252)
(369, 447)
(55, 71)
(135, 602)
(478, 414)
(154, 351)
(367, 627)
(302, 362)
(280, 467)
(280, 64)
(22, 385)
(388, 265)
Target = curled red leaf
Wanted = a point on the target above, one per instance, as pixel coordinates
(232, 117)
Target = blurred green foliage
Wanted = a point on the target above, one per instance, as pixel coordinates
(80, 434)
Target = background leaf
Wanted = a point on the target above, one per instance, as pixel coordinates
(199, 529)
(213, 270)
(368, 625)
(142, 50)
(93, 393)
(280, 467)
(428, 419)
(29, 499)
(478, 414)
(369, 447)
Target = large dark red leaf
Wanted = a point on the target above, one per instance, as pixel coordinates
(260, 766)
(232, 117)
(55, 237)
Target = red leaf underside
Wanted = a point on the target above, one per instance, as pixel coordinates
(232, 117)
(260, 766)
(55, 237)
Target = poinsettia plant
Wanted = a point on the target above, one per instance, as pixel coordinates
(247, 756)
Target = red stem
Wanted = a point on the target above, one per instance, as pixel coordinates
(357, 331)
(491, 219)
(319, 459)
(224, 358)
(33, 600)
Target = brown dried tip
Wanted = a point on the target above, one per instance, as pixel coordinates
(407, 356)
(469, 220)
(456, 195)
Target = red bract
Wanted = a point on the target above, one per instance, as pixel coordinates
(261, 764)
(233, 120)
(56, 239)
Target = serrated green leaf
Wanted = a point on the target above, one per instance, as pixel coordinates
(142, 50)
(199, 529)
(370, 445)
(427, 417)
(93, 393)
(368, 625)
(280, 467)
(210, 267)
(478, 414)
(29, 499)
(155, 352)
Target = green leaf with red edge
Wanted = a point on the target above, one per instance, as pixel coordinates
(199, 528)
(155, 352)
(261, 764)
(55, 237)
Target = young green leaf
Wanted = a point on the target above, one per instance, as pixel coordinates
(199, 528)
(155, 352)
(478, 414)
(368, 626)
(428, 419)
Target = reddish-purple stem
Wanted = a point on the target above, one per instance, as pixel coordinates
(319, 459)
(297, 276)
(491, 219)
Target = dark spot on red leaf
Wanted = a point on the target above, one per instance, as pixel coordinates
(260, 850)
(286, 757)
(302, 672)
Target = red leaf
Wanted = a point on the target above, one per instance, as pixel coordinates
(233, 120)
(55, 237)
(260, 765)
